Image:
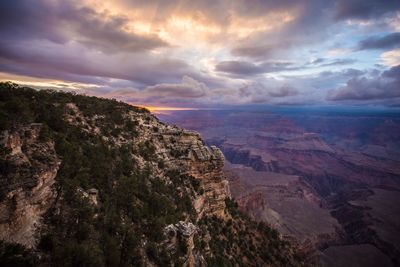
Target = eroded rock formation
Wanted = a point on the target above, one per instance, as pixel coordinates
(31, 167)
(101, 183)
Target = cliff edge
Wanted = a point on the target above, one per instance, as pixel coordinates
(95, 182)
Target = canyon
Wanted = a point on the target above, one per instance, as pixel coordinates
(329, 179)
(95, 182)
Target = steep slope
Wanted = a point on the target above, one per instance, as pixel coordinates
(329, 177)
(96, 182)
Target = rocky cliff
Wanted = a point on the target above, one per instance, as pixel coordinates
(327, 178)
(29, 172)
(95, 182)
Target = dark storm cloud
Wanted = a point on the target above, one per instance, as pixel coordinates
(29, 19)
(247, 68)
(257, 51)
(239, 67)
(393, 73)
(365, 9)
(52, 73)
(383, 86)
(283, 91)
(313, 22)
(243, 68)
(108, 34)
(389, 41)
(58, 40)
(266, 92)
(64, 22)
(61, 62)
(310, 23)
(189, 88)
(270, 95)
(73, 41)
(352, 72)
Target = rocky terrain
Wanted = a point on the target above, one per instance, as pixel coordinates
(327, 179)
(32, 166)
(285, 202)
(95, 182)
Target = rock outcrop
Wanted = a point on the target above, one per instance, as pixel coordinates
(182, 234)
(96, 182)
(204, 164)
(26, 183)
(179, 149)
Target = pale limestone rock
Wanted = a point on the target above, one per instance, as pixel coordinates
(182, 232)
(22, 208)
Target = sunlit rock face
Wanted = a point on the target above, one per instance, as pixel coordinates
(29, 176)
(199, 161)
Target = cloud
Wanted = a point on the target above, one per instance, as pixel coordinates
(109, 33)
(237, 52)
(352, 72)
(324, 62)
(257, 51)
(391, 58)
(283, 91)
(241, 69)
(266, 92)
(339, 62)
(246, 68)
(339, 51)
(364, 9)
(64, 21)
(188, 88)
(388, 41)
(308, 24)
(360, 88)
(42, 58)
(77, 42)
(25, 20)
(317, 61)
(393, 73)
(193, 93)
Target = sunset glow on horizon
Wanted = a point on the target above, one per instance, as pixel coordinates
(158, 110)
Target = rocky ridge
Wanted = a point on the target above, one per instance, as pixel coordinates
(95, 182)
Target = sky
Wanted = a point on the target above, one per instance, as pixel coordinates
(208, 53)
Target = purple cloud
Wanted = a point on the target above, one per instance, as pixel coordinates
(63, 22)
(383, 86)
(388, 41)
(365, 9)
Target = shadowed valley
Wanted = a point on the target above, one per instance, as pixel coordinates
(329, 179)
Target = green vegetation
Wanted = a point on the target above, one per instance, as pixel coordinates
(16, 255)
(135, 204)
(242, 242)
(25, 105)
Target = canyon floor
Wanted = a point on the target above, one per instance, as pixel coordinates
(328, 180)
